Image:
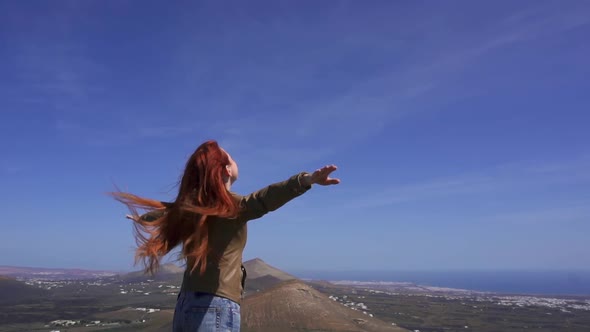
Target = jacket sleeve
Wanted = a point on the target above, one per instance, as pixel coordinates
(154, 215)
(270, 198)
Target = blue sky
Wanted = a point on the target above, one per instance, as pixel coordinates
(460, 128)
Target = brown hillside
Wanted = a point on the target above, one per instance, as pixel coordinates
(257, 268)
(295, 306)
(261, 284)
(166, 272)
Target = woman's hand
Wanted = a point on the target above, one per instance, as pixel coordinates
(322, 176)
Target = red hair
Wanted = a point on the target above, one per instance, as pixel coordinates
(202, 193)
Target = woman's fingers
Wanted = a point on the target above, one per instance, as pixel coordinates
(322, 175)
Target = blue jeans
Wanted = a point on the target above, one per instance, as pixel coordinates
(204, 312)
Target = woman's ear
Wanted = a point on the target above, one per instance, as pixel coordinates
(227, 171)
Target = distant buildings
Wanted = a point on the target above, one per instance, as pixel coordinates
(63, 323)
(148, 310)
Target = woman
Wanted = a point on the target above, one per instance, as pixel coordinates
(209, 222)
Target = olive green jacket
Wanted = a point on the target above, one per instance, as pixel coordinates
(224, 275)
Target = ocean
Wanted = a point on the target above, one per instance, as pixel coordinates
(502, 281)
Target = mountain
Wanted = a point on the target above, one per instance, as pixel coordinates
(261, 276)
(278, 301)
(257, 268)
(53, 274)
(296, 306)
(166, 272)
(275, 301)
(13, 291)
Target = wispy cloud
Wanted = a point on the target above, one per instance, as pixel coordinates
(162, 131)
(122, 133)
(11, 167)
(363, 92)
(500, 179)
(47, 62)
(572, 213)
(353, 110)
(60, 77)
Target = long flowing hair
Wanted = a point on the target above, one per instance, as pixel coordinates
(202, 194)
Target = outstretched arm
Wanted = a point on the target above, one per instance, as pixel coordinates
(278, 194)
(270, 198)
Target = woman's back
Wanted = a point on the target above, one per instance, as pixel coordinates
(227, 239)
